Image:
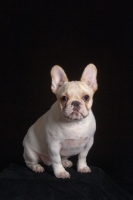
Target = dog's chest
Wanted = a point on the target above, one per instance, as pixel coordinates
(74, 143)
(71, 147)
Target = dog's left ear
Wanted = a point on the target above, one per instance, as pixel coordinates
(58, 78)
(89, 76)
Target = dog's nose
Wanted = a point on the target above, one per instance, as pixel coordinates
(75, 104)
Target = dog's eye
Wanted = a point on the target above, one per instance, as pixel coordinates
(86, 97)
(64, 98)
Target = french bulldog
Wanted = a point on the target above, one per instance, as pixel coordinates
(67, 129)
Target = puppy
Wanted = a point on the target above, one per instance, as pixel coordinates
(67, 129)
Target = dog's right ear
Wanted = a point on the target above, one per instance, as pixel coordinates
(58, 78)
(89, 76)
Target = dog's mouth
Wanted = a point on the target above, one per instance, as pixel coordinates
(75, 112)
(75, 115)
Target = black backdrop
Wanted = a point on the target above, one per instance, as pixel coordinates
(36, 36)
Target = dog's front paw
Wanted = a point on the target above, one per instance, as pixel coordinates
(67, 163)
(62, 174)
(85, 169)
(37, 168)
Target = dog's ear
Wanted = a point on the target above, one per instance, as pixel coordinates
(58, 78)
(89, 76)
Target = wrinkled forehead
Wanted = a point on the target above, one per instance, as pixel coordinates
(75, 88)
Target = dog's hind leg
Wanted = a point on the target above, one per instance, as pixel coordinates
(32, 160)
(66, 163)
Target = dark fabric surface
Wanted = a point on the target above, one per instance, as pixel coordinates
(19, 183)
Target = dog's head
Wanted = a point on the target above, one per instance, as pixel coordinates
(75, 97)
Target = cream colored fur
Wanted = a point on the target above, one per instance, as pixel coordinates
(67, 129)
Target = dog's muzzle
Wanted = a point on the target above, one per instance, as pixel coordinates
(76, 105)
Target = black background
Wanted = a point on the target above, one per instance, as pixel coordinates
(72, 34)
